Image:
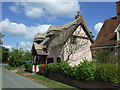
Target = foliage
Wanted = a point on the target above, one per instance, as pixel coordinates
(84, 71)
(105, 56)
(104, 53)
(1, 35)
(10, 67)
(15, 57)
(108, 72)
(27, 56)
(56, 67)
(5, 54)
(42, 68)
(28, 67)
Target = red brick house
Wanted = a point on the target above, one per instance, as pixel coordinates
(109, 35)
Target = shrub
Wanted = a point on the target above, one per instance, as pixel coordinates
(15, 63)
(42, 68)
(85, 71)
(108, 73)
(10, 67)
(55, 68)
(105, 56)
(28, 67)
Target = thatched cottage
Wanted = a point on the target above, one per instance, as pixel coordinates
(70, 42)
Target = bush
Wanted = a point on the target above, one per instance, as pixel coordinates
(10, 67)
(28, 67)
(85, 71)
(42, 68)
(15, 63)
(56, 68)
(108, 73)
(106, 56)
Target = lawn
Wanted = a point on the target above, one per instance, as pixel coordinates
(46, 81)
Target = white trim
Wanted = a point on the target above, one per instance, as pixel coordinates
(118, 28)
(118, 36)
(106, 47)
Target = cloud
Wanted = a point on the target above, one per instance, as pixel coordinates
(9, 47)
(98, 26)
(25, 45)
(49, 9)
(28, 33)
(14, 8)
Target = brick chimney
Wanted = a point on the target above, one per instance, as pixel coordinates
(118, 11)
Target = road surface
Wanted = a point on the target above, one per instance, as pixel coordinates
(13, 80)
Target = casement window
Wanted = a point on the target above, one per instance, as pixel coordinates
(73, 39)
(49, 60)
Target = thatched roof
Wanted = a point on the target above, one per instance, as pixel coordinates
(61, 34)
(68, 30)
(54, 30)
(39, 36)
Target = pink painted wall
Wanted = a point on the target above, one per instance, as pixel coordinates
(81, 52)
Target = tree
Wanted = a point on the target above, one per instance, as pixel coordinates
(5, 54)
(27, 56)
(16, 57)
(1, 35)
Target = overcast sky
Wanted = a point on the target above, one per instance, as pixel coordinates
(22, 20)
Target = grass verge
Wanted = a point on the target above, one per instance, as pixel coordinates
(46, 81)
(22, 72)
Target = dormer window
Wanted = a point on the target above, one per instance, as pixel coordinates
(118, 32)
(118, 39)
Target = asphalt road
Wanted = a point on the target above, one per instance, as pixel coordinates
(13, 80)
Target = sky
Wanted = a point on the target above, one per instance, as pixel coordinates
(21, 21)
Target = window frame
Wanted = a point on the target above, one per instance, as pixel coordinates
(118, 35)
(73, 39)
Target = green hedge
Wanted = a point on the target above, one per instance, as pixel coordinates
(108, 73)
(28, 67)
(84, 71)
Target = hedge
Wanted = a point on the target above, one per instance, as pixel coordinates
(108, 73)
(86, 71)
(28, 67)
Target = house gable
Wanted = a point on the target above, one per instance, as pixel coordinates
(76, 52)
(107, 35)
(68, 30)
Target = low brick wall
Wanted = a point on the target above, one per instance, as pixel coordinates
(80, 84)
